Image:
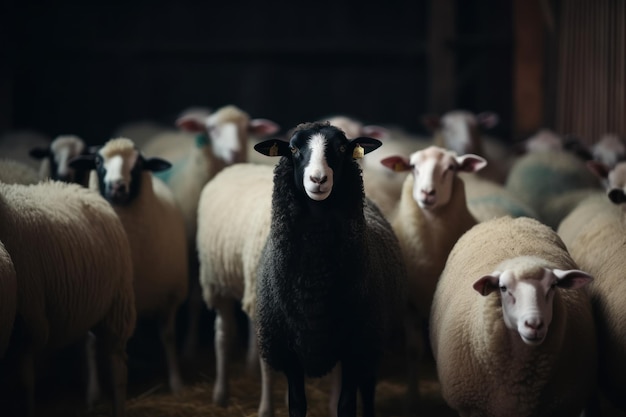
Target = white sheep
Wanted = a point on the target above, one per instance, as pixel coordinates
(8, 298)
(538, 177)
(72, 237)
(431, 215)
(55, 159)
(220, 140)
(511, 329)
(141, 131)
(331, 282)
(487, 199)
(609, 150)
(594, 233)
(17, 172)
(156, 232)
(462, 132)
(231, 235)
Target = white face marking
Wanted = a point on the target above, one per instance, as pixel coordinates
(527, 305)
(224, 140)
(318, 176)
(433, 179)
(64, 149)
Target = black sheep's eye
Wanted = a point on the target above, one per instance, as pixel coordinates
(502, 288)
(342, 148)
(294, 150)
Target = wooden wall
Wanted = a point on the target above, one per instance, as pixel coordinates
(87, 67)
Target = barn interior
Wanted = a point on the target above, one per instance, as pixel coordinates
(93, 68)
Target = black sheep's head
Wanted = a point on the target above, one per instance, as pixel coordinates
(319, 152)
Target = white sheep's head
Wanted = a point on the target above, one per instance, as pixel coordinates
(434, 169)
(318, 152)
(226, 130)
(459, 130)
(61, 150)
(118, 166)
(609, 150)
(527, 291)
(354, 128)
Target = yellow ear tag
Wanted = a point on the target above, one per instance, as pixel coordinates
(274, 150)
(398, 167)
(358, 152)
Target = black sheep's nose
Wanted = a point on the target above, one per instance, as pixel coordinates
(617, 196)
(316, 179)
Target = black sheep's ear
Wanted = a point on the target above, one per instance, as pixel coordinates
(39, 153)
(156, 164)
(83, 162)
(363, 145)
(273, 147)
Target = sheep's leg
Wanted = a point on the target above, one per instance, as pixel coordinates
(194, 310)
(335, 390)
(414, 351)
(367, 386)
(93, 382)
(224, 328)
(296, 392)
(252, 355)
(27, 379)
(266, 406)
(168, 339)
(347, 398)
(111, 353)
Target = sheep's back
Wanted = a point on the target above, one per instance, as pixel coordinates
(156, 232)
(72, 261)
(234, 217)
(595, 233)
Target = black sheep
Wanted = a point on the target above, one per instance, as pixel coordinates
(331, 277)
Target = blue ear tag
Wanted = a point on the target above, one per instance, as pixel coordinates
(202, 140)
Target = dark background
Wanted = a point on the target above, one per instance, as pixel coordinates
(86, 67)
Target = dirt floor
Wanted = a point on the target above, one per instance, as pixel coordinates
(60, 386)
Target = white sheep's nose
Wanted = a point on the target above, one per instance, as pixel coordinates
(533, 323)
(318, 179)
(430, 192)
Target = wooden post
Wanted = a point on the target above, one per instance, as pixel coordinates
(442, 56)
(528, 67)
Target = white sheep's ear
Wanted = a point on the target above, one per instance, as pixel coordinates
(396, 163)
(273, 147)
(571, 279)
(471, 163)
(263, 127)
(487, 284)
(192, 122)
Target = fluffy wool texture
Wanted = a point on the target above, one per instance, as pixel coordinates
(537, 177)
(232, 231)
(330, 286)
(488, 199)
(73, 238)
(158, 245)
(188, 175)
(426, 241)
(8, 298)
(16, 172)
(595, 234)
(484, 368)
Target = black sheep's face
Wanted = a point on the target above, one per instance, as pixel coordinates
(118, 176)
(318, 156)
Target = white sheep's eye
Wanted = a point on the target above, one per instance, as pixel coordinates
(553, 286)
(452, 168)
(502, 288)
